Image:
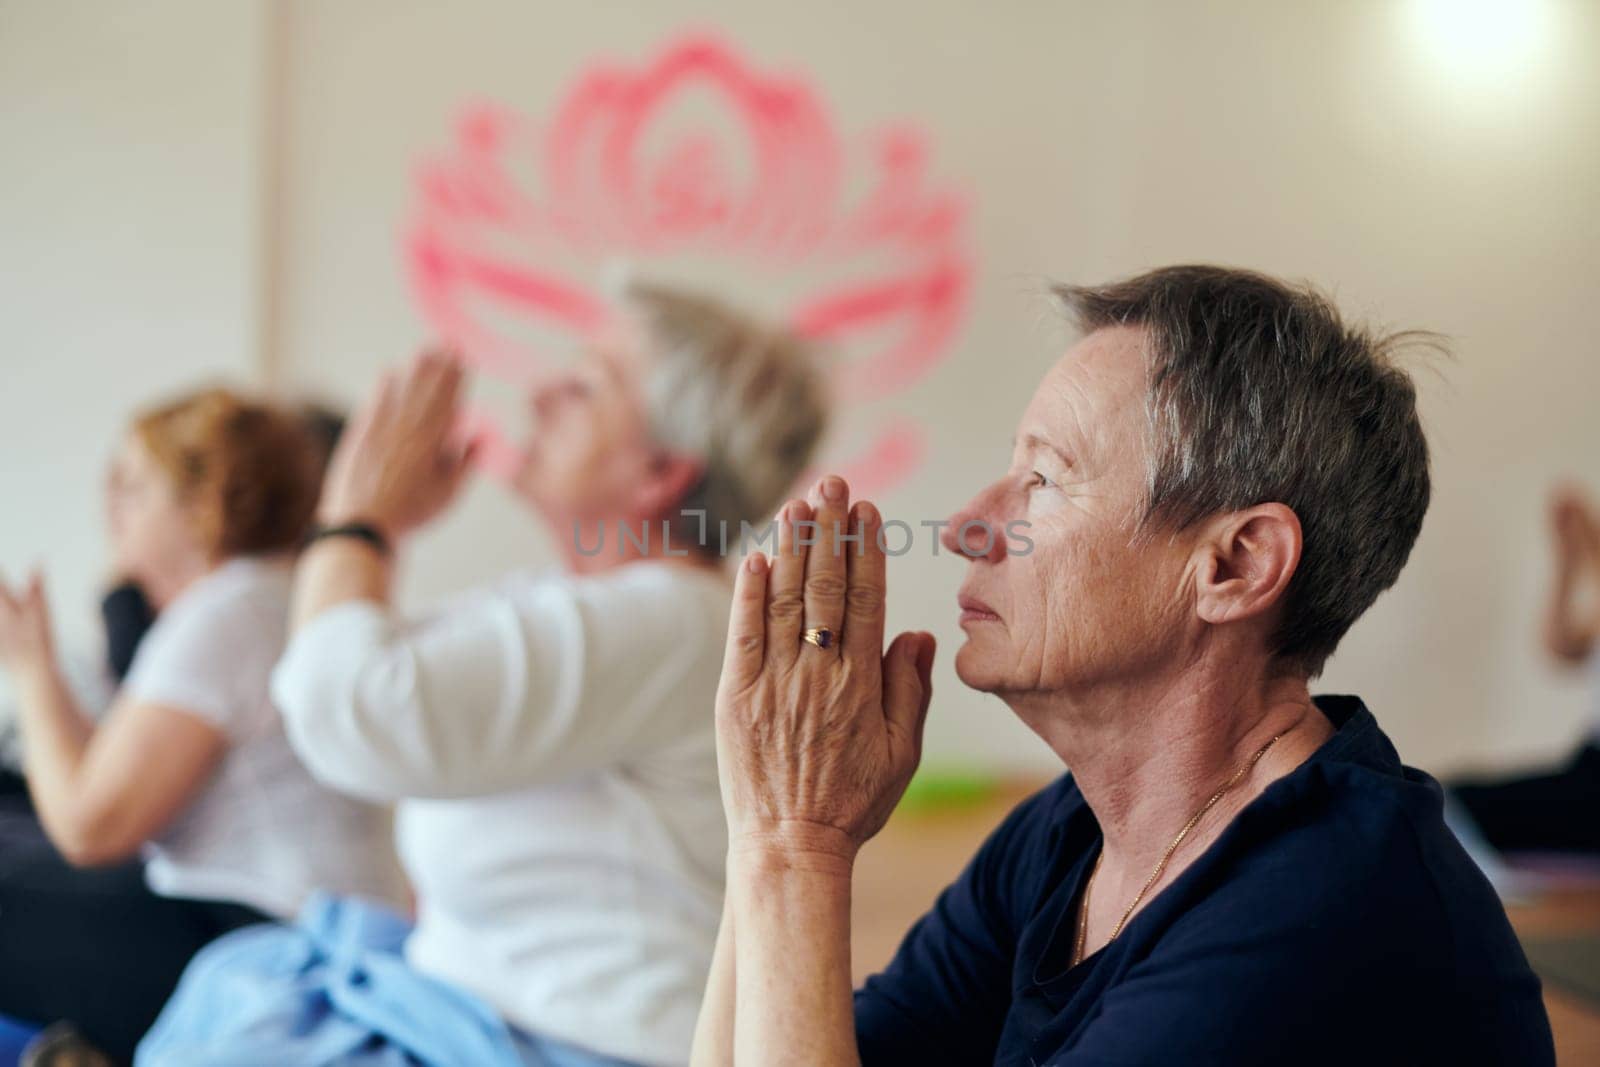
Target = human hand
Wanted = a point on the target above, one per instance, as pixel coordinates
(26, 645)
(1572, 523)
(816, 745)
(399, 464)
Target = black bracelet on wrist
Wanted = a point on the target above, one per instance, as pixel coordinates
(361, 531)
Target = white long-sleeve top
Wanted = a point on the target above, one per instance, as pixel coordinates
(551, 742)
(242, 837)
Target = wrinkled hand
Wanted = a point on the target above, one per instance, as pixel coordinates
(399, 464)
(26, 646)
(815, 746)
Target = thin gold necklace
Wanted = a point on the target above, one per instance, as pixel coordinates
(1155, 875)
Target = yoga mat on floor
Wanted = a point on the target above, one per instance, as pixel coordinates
(14, 1037)
(1571, 962)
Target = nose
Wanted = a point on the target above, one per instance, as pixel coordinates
(977, 530)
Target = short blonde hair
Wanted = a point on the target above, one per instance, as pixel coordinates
(250, 472)
(746, 399)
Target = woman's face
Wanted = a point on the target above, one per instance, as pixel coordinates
(152, 534)
(1090, 602)
(589, 457)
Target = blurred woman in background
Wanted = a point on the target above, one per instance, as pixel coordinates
(125, 617)
(207, 501)
(549, 736)
(126, 612)
(1555, 809)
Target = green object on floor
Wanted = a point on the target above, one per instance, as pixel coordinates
(943, 789)
(1572, 962)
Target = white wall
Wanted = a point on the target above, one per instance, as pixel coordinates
(1330, 141)
(129, 220)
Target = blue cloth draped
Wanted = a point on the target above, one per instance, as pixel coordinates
(333, 989)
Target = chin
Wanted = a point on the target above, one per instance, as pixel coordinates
(525, 478)
(530, 486)
(125, 562)
(976, 668)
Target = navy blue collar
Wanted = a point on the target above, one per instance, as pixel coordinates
(1357, 738)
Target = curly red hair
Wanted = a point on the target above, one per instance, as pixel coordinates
(250, 472)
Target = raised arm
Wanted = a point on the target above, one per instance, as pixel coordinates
(816, 743)
(397, 467)
(713, 1031)
(506, 687)
(92, 787)
(1570, 626)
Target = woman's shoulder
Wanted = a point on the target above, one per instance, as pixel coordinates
(237, 589)
(677, 598)
(644, 614)
(656, 574)
(1374, 868)
(211, 651)
(241, 602)
(1028, 841)
(626, 578)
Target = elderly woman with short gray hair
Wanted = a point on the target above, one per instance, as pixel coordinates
(549, 738)
(1215, 482)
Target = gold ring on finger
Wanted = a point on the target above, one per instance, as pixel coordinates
(820, 636)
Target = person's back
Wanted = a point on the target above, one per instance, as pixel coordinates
(586, 904)
(261, 830)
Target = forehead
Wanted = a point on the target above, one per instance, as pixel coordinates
(619, 348)
(132, 452)
(616, 361)
(133, 462)
(1094, 394)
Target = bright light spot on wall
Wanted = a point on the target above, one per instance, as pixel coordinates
(1483, 40)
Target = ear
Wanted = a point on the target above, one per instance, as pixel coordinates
(668, 478)
(1246, 563)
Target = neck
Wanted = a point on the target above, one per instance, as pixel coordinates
(1148, 756)
(161, 589)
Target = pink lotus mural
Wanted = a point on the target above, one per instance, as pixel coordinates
(696, 156)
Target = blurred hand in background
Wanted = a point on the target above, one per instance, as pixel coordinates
(401, 463)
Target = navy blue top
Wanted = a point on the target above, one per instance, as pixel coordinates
(1335, 921)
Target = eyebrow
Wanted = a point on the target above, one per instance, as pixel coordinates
(1033, 440)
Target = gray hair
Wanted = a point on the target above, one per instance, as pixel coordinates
(1259, 392)
(746, 399)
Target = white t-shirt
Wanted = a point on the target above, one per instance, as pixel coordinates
(261, 831)
(564, 830)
